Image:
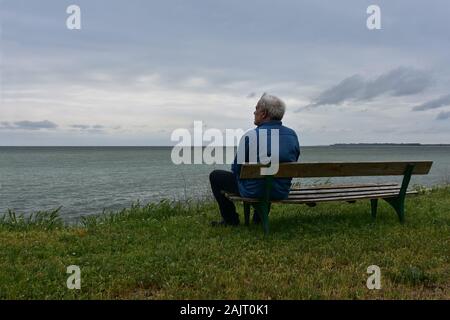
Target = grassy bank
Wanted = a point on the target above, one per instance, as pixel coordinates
(169, 251)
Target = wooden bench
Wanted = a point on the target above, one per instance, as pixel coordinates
(393, 193)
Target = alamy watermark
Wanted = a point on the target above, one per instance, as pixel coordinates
(374, 280)
(255, 146)
(74, 280)
(73, 22)
(374, 20)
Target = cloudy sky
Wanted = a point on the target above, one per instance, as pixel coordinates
(137, 70)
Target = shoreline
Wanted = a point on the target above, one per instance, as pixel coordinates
(206, 198)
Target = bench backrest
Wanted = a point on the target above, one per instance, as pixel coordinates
(337, 169)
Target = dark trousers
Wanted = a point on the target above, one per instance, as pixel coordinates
(225, 181)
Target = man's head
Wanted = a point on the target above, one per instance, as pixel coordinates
(269, 108)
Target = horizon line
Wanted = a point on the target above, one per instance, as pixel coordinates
(172, 146)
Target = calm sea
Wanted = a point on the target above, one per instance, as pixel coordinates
(87, 180)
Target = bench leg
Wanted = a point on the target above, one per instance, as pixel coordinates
(373, 207)
(247, 213)
(263, 209)
(265, 204)
(398, 203)
(399, 206)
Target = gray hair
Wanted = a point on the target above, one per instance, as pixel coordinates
(274, 106)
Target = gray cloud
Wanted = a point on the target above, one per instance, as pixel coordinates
(89, 128)
(29, 125)
(5, 125)
(401, 81)
(35, 125)
(433, 104)
(443, 115)
(80, 126)
(348, 89)
(97, 129)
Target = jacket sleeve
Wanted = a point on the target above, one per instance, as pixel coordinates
(236, 167)
(297, 148)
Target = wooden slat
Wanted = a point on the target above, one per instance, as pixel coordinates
(377, 196)
(337, 169)
(394, 188)
(339, 186)
(345, 187)
(309, 200)
(346, 190)
(340, 194)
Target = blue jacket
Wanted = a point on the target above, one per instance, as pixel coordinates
(289, 152)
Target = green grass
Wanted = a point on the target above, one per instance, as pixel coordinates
(169, 251)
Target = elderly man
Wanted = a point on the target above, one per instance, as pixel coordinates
(268, 115)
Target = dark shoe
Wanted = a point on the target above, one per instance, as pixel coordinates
(311, 204)
(222, 223)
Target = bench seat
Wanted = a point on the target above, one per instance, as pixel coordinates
(309, 194)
